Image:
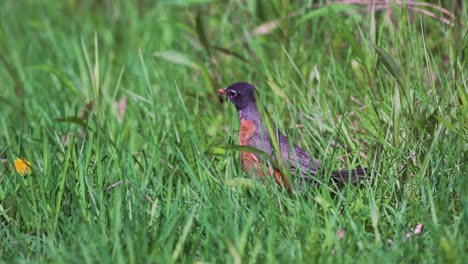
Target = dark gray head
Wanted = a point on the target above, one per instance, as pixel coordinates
(241, 94)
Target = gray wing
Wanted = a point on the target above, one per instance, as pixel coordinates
(297, 159)
(303, 167)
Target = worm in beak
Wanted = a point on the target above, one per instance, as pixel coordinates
(221, 95)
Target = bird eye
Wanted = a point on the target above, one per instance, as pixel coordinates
(232, 93)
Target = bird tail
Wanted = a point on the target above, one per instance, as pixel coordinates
(353, 175)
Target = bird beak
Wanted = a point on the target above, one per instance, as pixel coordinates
(221, 95)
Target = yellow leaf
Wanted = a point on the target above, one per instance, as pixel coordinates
(22, 166)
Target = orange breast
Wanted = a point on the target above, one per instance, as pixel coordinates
(250, 162)
(247, 130)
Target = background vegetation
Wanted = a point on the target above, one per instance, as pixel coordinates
(113, 104)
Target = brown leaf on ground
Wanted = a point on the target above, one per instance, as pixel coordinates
(417, 231)
(340, 233)
(120, 107)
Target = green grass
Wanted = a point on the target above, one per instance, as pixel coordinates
(365, 88)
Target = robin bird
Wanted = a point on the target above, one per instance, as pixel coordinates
(253, 134)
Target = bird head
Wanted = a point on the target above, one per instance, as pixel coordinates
(241, 94)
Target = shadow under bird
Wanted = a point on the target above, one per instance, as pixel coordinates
(254, 134)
